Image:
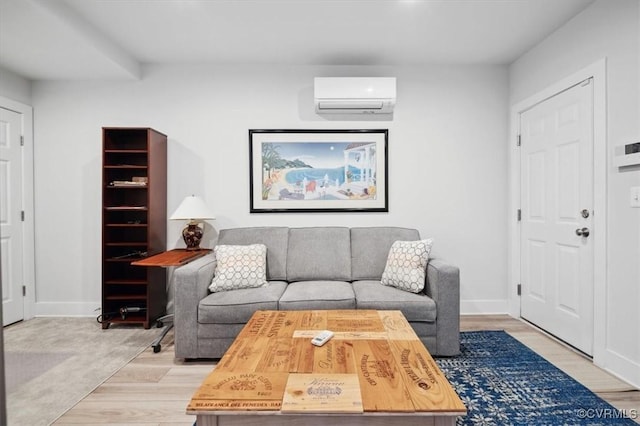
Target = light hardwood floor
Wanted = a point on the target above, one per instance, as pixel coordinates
(154, 388)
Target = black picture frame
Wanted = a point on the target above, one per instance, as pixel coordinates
(318, 170)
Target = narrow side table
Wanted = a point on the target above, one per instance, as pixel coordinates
(175, 257)
(166, 259)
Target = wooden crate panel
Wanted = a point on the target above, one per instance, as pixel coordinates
(241, 386)
(311, 320)
(397, 326)
(343, 335)
(283, 324)
(362, 321)
(200, 405)
(301, 356)
(259, 325)
(425, 382)
(335, 356)
(276, 355)
(322, 393)
(243, 355)
(381, 383)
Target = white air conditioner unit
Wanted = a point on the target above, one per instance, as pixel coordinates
(354, 95)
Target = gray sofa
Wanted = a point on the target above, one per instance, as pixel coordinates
(313, 268)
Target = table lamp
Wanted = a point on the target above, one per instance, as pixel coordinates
(195, 211)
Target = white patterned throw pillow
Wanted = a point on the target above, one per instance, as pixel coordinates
(239, 267)
(407, 265)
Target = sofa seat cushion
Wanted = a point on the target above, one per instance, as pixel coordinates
(302, 295)
(414, 306)
(237, 306)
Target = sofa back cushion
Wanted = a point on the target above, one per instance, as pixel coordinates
(275, 238)
(370, 249)
(322, 253)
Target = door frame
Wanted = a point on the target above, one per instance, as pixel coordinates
(596, 71)
(28, 230)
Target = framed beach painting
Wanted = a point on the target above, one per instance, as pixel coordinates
(318, 171)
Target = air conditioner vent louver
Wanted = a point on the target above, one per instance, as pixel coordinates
(355, 95)
(330, 105)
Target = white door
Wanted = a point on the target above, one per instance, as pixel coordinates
(557, 215)
(11, 226)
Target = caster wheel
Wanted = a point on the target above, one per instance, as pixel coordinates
(156, 349)
(160, 324)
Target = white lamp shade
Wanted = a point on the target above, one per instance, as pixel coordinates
(192, 207)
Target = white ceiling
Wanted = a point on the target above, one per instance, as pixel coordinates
(112, 39)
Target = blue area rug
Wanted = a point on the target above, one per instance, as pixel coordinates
(502, 382)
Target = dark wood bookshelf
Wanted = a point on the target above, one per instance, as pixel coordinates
(134, 223)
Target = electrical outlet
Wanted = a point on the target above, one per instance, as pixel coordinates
(634, 196)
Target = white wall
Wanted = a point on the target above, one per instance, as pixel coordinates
(447, 162)
(607, 29)
(14, 86)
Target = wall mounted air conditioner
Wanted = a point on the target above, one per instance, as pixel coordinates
(354, 95)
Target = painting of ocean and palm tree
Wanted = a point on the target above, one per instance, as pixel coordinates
(319, 171)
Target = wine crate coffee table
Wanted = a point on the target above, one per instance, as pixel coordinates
(374, 371)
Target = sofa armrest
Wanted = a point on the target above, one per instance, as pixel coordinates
(191, 286)
(443, 286)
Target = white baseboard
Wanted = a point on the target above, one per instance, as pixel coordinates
(67, 309)
(484, 307)
(619, 366)
(90, 309)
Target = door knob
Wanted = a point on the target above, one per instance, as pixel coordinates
(584, 232)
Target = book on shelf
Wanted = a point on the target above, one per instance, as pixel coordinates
(128, 183)
(126, 208)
